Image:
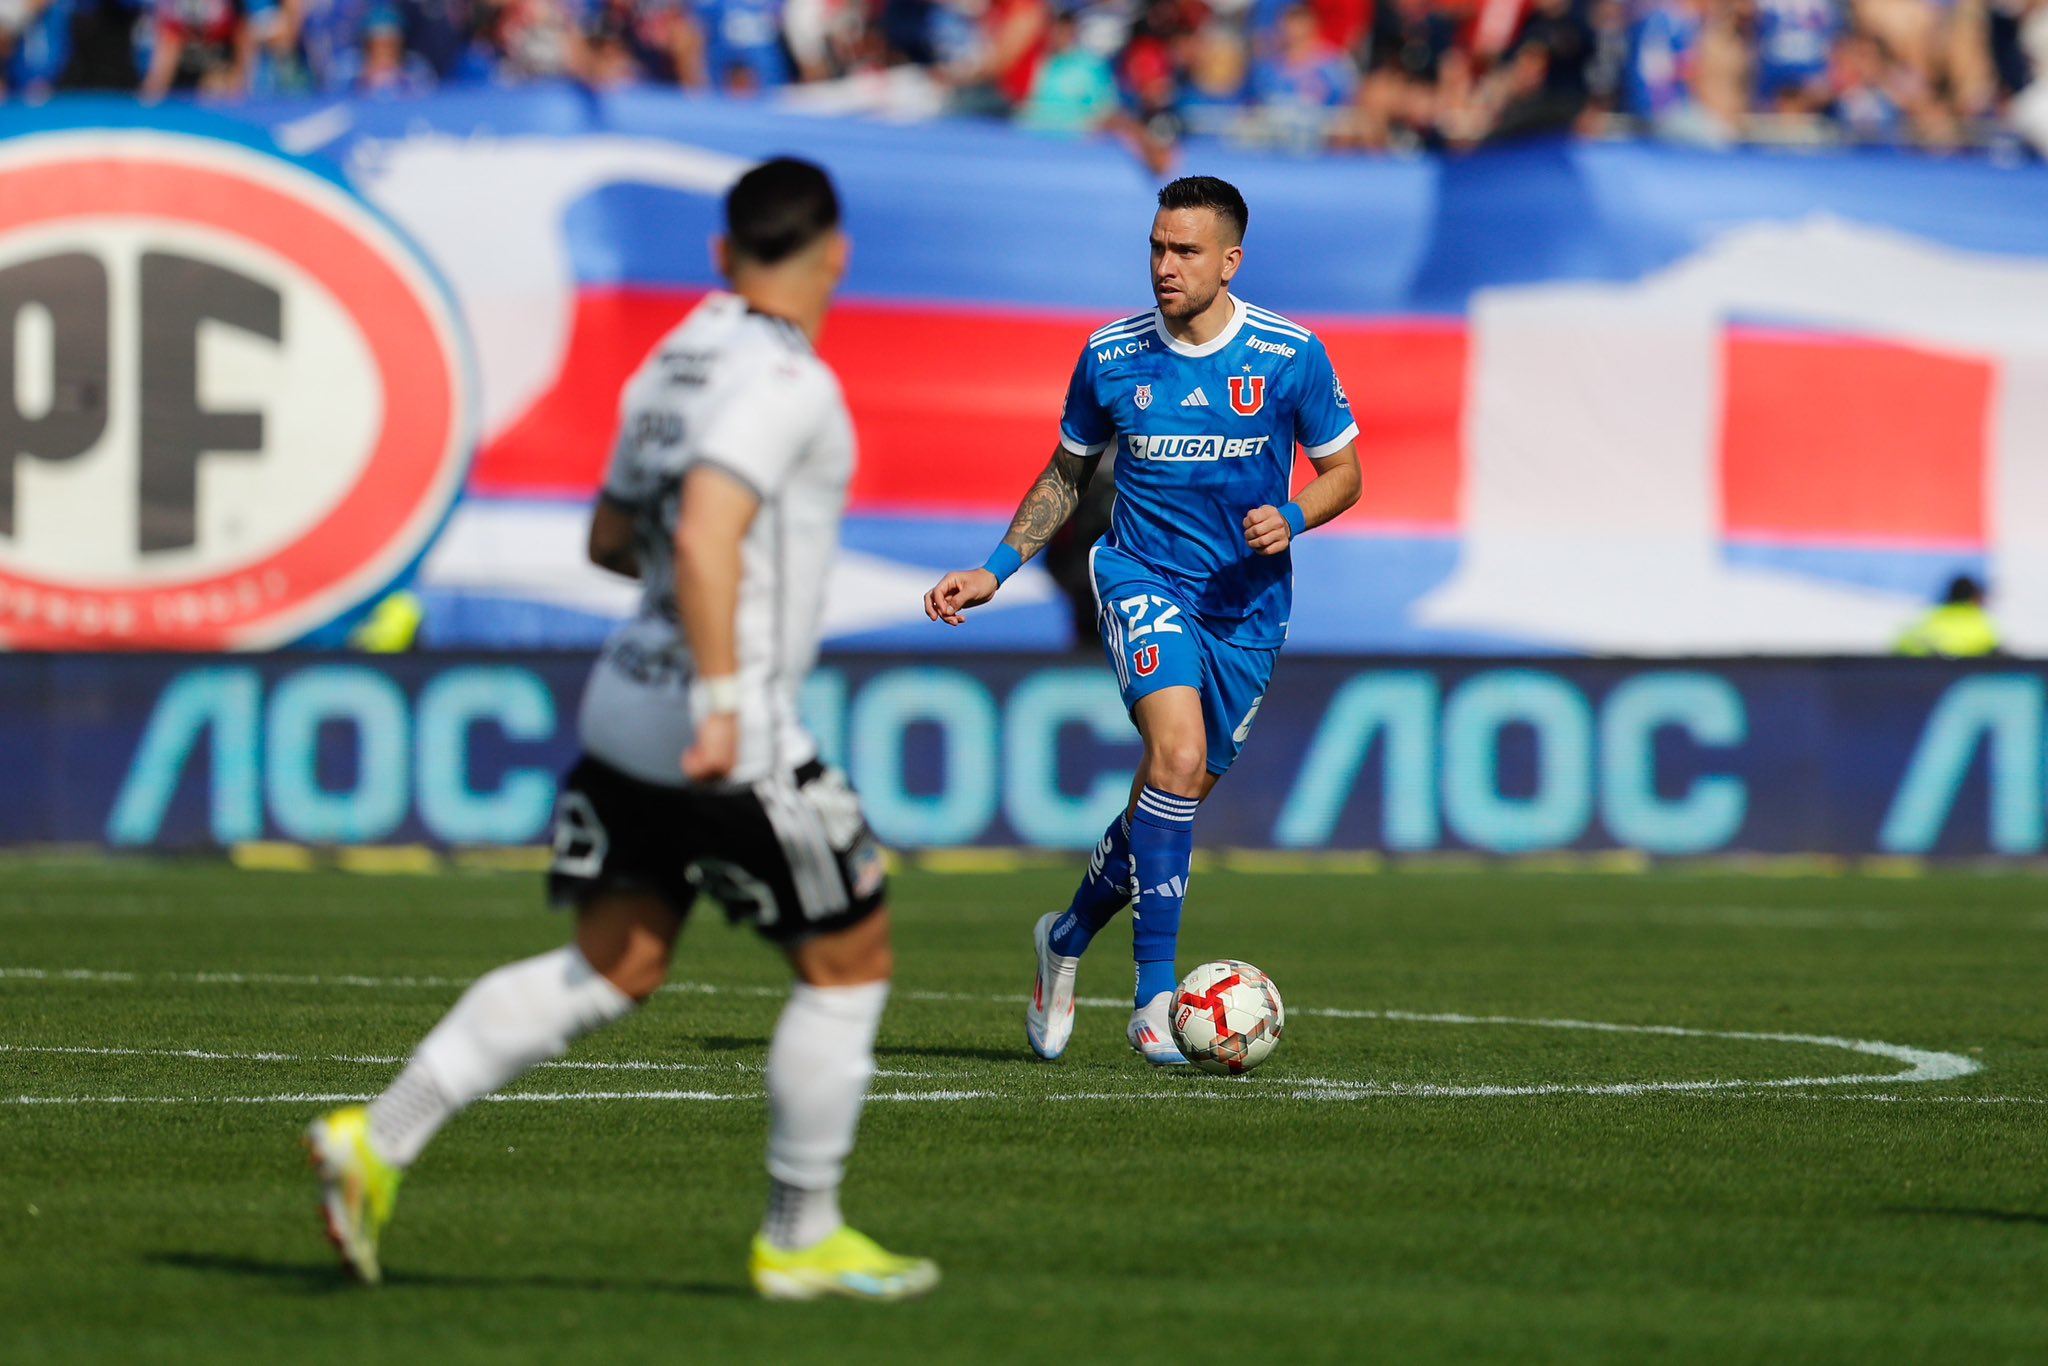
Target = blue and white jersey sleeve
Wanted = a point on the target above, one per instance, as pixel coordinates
(1322, 416)
(1086, 427)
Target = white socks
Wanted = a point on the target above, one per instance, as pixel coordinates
(510, 1019)
(819, 1067)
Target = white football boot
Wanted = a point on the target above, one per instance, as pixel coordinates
(1049, 1018)
(1151, 1035)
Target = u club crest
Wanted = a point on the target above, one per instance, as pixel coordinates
(1143, 397)
(1247, 394)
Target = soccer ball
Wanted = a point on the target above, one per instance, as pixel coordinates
(1227, 1017)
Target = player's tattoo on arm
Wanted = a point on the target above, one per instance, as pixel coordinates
(1051, 499)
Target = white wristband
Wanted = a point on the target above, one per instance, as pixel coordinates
(714, 696)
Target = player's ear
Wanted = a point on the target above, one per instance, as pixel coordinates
(1232, 259)
(839, 254)
(721, 254)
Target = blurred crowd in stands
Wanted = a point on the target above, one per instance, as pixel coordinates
(1328, 74)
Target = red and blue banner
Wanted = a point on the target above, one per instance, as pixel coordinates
(1613, 398)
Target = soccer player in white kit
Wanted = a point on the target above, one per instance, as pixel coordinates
(724, 498)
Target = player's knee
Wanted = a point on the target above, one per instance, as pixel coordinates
(1177, 766)
(639, 971)
(852, 957)
(637, 964)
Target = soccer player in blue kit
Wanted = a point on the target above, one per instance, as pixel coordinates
(1204, 398)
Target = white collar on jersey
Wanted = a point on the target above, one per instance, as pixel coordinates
(1209, 347)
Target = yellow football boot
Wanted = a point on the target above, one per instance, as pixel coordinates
(358, 1188)
(848, 1263)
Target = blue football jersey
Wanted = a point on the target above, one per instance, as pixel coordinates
(1204, 434)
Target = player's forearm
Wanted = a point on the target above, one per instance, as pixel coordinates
(1329, 493)
(707, 601)
(1050, 501)
(163, 66)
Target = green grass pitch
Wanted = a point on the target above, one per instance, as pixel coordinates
(1435, 1165)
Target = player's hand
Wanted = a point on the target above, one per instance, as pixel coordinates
(715, 751)
(953, 595)
(1266, 531)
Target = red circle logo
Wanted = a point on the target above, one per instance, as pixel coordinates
(239, 403)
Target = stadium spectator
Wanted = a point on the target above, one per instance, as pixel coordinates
(2020, 51)
(1795, 41)
(1909, 30)
(205, 46)
(1865, 105)
(440, 32)
(1544, 86)
(1074, 90)
(1414, 70)
(384, 66)
(15, 18)
(1151, 120)
(1302, 80)
(653, 41)
(525, 40)
(1155, 45)
(823, 36)
(1213, 94)
(35, 40)
(998, 77)
(320, 43)
(1369, 75)
(1958, 627)
(94, 44)
(743, 44)
(1694, 69)
(909, 31)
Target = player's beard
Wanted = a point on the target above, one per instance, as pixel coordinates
(1185, 304)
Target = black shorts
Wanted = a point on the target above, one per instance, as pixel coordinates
(791, 856)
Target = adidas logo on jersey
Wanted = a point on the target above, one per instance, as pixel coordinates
(1197, 399)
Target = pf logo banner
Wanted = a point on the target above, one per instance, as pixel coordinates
(233, 402)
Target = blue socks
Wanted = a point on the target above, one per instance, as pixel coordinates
(1102, 893)
(1157, 839)
(1162, 842)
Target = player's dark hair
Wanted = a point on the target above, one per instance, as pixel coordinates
(1963, 588)
(1207, 192)
(778, 208)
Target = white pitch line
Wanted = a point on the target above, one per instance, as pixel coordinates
(1926, 1100)
(392, 1060)
(1926, 1066)
(1923, 1065)
(1250, 1091)
(286, 979)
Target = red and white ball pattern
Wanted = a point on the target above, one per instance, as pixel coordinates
(1227, 1017)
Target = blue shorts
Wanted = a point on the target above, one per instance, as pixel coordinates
(1153, 641)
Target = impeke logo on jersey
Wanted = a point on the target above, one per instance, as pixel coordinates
(233, 402)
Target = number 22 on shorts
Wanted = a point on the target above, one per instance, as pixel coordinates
(1138, 609)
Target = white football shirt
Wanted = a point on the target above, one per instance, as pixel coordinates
(742, 391)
